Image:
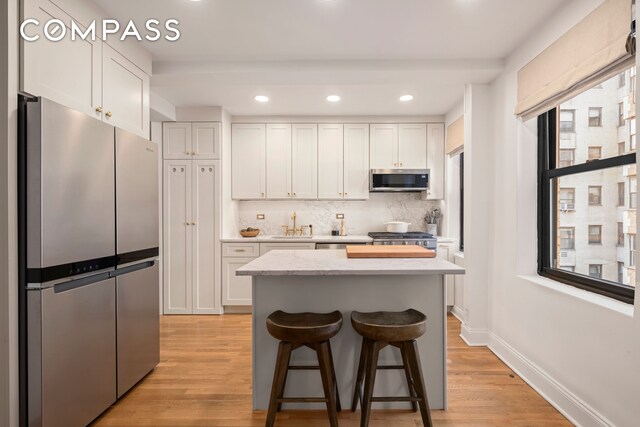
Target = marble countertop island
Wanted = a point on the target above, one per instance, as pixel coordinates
(300, 239)
(336, 263)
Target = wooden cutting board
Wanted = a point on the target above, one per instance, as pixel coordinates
(380, 251)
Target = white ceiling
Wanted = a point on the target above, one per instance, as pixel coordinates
(299, 51)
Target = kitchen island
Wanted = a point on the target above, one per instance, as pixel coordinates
(324, 281)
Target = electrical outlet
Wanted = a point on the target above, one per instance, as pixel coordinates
(260, 216)
(339, 216)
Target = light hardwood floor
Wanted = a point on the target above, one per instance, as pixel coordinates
(204, 379)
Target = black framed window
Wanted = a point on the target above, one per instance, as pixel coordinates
(591, 172)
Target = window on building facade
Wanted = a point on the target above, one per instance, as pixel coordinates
(633, 193)
(595, 116)
(567, 157)
(567, 199)
(595, 153)
(632, 143)
(621, 80)
(632, 250)
(595, 270)
(567, 238)
(595, 195)
(620, 234)
(567, 121)
(621, 119)
(578, 247)
(595, 234)
(621, 194)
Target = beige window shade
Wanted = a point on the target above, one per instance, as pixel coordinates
(588, 53)
(455, 135)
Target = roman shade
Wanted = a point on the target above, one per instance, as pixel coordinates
(455, 135)
(590, 52)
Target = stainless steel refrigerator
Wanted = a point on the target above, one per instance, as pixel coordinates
(88, 197)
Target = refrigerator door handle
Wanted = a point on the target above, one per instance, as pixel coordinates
(134, 266)
(79, 283)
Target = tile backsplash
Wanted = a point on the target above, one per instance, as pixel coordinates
(360, 217)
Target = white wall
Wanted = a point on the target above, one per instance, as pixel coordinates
(8, 215)
(578, 349)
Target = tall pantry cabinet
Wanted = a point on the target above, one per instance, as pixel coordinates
(191, 218)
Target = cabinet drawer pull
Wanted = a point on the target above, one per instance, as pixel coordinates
(108, 114)
(239, 250)
(99, 110)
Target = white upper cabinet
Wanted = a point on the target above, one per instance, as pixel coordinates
(304, 156)
(67, 72)
(176, 140)
(356, 161)
(384, 146)
(125, 93)
(330, 161)
(248, 161)
(205, 140)
(186, 140)
(435, 160)
(88, 76)
(278, 156)
(412, 146)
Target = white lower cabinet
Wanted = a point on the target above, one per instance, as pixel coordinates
(445, 251)
(191, 235)
(236, 290)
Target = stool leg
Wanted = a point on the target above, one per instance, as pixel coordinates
(335, 381)
(407, 372)
(284, 352)
(284, 381)
(411, 348)
(360, 376)
(370, 379)
(322, 349)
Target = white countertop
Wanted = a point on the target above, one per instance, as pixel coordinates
(336, 263)
(303, 239)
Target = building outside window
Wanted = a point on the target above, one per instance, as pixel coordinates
(621, 80)
(602, 190)
(567, 238)
(620, 234)
(621, 194)
(621, 120)
(595, 153)
(567, 121)
(595, 270)
(567, 157)
(595, 234)
(632, 250)
(567, 199)
(595, 116)
(595, 195)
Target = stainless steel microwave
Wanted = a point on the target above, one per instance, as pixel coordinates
(389, 180)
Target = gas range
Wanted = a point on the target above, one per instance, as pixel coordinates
(410, 238)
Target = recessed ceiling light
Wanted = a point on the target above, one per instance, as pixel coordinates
(261, 98)
(406, 98)
(333, 98)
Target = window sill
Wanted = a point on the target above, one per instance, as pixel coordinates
(590, 297)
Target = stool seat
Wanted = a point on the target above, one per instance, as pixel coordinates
(388, 326)
(304, 328)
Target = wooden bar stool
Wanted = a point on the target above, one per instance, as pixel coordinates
(313, 330)
(397, 329)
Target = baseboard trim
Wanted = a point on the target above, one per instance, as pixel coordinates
(458, 313)
(567, 403)
(474, 337)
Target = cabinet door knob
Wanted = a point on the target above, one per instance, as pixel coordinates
(108, 114)
(294, 194)
(193, 153)
(186, 223)
(346, 194)
(400, 163)
(99, 110)
(193, 223)
(262, 194)
(289, 194)
(340, 194)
